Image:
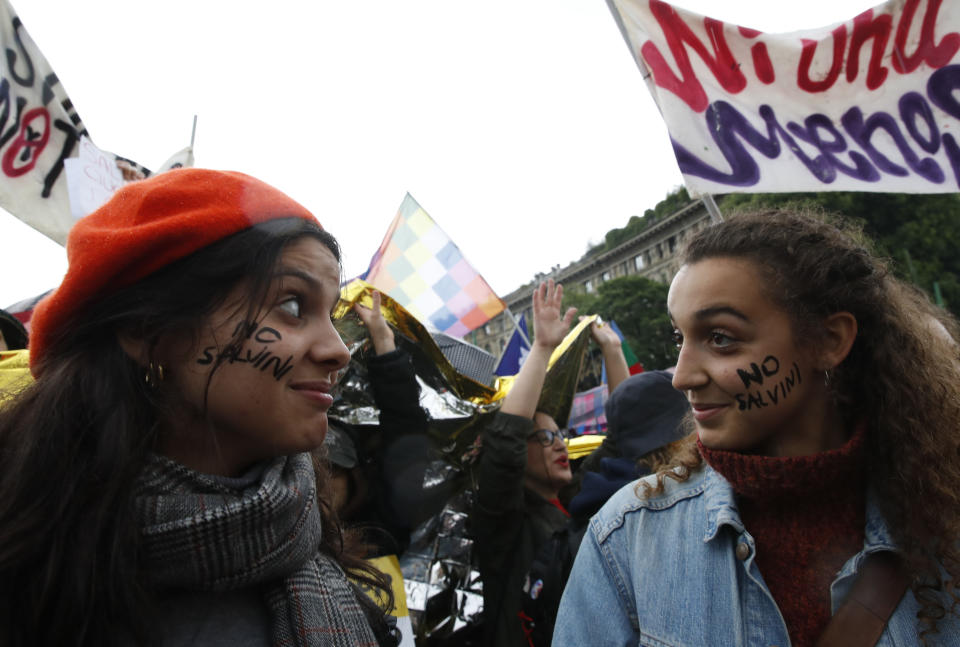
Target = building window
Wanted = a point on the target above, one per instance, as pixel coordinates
(638, 262)
(672, 242)
(588, 286)
(659, 251)
(605, 276)
(487, 328)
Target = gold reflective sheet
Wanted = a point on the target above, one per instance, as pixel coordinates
(438, 565)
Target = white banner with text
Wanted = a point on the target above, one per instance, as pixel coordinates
(865, 105)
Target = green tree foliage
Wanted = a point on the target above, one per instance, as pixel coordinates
(675, 200)
(576, 297)
(919, 233)
(639, 306)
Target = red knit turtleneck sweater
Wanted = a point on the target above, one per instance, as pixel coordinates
(806, 515)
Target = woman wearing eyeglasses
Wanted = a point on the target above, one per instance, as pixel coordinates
(522, 468)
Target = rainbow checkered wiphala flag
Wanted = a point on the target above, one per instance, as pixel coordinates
(420, 267)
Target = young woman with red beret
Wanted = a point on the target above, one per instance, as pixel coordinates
(155, 480)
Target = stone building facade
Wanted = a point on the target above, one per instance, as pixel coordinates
(653, 253)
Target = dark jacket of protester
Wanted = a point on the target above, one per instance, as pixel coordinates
(510, 524)
(396, 454)
(644, 414)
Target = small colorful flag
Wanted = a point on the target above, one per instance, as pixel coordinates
(425, 272)
(515, 352)
(633, 363)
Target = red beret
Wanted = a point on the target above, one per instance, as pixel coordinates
(144, 227)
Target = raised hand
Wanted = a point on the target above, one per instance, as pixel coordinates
(612, 349)
(549, 329)
(603, 334)
(380, 332)
(549, 326)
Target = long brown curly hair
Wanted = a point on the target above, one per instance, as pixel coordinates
(902, 377)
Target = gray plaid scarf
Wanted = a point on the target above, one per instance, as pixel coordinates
(199, 533)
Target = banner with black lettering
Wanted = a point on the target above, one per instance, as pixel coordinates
(864, 105)
(39, 131)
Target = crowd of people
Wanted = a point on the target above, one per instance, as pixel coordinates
(169, 475)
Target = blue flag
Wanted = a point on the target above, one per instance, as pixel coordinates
(515, 353)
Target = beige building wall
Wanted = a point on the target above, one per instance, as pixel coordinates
(653, 253)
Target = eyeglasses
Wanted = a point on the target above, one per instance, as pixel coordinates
(546, 436)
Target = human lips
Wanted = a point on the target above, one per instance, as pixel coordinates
(705, 411)
(563, 461)
(317, 391)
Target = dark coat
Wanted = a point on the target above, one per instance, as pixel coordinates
(509, 524)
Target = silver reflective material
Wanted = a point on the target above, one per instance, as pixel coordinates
(441, 579)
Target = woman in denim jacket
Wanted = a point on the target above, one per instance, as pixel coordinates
(825, 396)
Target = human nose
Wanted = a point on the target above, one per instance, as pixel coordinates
(558, 442)
(328, 348)
(688, 373)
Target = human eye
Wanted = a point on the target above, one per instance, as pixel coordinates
(720, 340)
(542, 436)
(292, 306)
(677, 338)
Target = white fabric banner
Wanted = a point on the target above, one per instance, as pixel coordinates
(864, 105)
(92, 177)
(39, 130)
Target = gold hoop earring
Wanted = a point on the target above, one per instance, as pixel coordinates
(153, 375)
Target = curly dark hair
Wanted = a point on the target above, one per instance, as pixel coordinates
(902, 377)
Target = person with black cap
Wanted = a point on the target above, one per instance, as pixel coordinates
(644, 416)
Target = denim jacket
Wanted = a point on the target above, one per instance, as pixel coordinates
(678, 570)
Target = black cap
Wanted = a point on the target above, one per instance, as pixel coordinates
(644, 412)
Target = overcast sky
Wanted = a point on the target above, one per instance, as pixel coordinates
(522, 126)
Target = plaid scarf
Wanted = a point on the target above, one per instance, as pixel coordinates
(199, 533)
